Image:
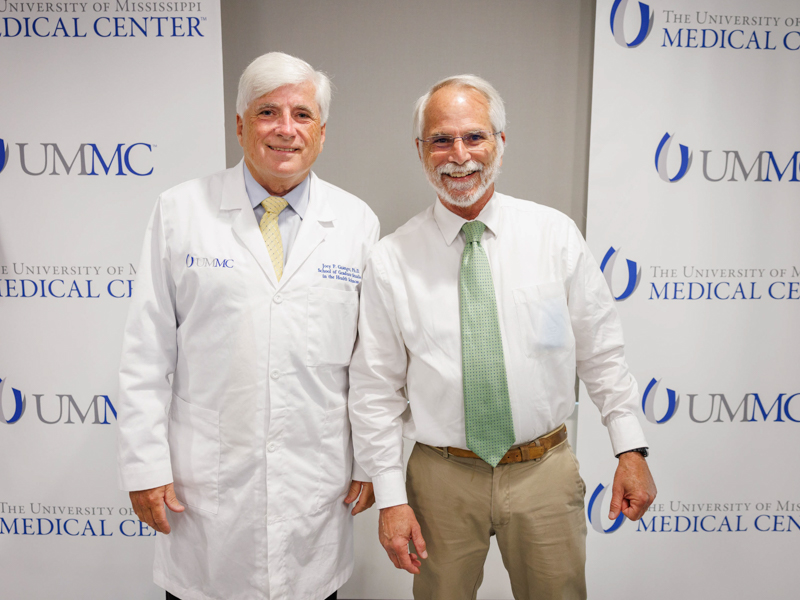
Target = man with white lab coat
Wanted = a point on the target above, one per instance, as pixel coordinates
(233, 383)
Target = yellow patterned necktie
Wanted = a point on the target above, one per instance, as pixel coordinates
(270, 232)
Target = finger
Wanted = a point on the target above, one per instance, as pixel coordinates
(401, 549)
(419, 541)
(636, 508)
(147, 518)
(364, 502)
(172, 500)
(355, 490)
(393, 557)
(616, 503)
(160, 519)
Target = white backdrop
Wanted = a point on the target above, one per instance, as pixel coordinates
(693, 212)
(105, 105)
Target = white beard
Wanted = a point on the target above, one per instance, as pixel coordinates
(488, 174)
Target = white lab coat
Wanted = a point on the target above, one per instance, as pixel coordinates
(234, 387)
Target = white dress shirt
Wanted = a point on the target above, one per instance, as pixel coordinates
(555, 312)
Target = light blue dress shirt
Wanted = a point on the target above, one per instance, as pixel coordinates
(291, 217)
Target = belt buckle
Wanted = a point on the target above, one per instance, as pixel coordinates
(525, 451)
(538, 443)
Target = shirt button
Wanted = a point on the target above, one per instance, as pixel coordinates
(275, 374)
(272, 448)
(277, 298)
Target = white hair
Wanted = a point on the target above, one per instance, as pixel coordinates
(270, 71)
(497, 110)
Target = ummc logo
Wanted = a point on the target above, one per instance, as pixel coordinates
(19, 405)
(618, 23)
(716, 408)
(100, 405)
(88, 159)
(205, 262)
(648, 400)
(661, 159)
(3, 154)
(763, 166)
(593, 512)
(634, 274)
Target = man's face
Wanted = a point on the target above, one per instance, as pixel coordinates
(281, 135)
(460, 175)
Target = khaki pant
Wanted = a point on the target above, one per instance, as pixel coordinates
(535, 509)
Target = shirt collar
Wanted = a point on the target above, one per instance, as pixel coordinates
(450, 224)
(297, 198)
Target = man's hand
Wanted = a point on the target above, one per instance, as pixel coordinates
(634, 489)
(363, 491)
(149, 506)
(396, 526)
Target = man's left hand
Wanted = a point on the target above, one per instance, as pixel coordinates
(363, 491)
(634, 489)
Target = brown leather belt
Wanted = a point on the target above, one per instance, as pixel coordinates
(532, 451)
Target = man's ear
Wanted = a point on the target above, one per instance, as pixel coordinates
(239, 127)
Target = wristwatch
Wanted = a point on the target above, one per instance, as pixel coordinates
(643, 451)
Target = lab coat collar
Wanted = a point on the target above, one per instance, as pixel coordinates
(318, 219)
(450, 224)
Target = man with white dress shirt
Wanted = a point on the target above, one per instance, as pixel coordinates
(474, 317)
(233, 382)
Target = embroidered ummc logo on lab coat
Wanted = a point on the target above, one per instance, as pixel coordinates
(206, 262)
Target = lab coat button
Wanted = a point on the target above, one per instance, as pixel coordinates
(275, 374)
(271, 448)
(277, 298)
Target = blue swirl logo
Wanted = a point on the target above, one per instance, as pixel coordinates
(3, 154)
(661, 159)
(593, 512)
(648, 402)
(634, 274)
(19, 405)
(618, 23)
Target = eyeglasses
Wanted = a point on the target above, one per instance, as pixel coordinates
(473, 139)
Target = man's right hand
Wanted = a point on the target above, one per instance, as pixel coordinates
(149, 506)
(397, 525)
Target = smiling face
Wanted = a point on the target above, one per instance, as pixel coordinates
(462, 176)
(281, 135)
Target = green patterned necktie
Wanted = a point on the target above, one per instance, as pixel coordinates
(487, 408)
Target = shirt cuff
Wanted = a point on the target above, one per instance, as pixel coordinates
(390, 489)
(359, 474)
(135, 481)
(626, 434)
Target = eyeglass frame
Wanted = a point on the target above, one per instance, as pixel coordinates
(459, 137)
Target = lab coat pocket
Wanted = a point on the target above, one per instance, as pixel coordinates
(332, 323)
(194, 448)
(335, 457)
(543, 319)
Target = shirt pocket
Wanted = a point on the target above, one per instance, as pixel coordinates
(194, 447)
(332, 323)
(543, 318)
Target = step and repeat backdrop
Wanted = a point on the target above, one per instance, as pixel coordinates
(105, 104)
(693, 211)
(692, 214)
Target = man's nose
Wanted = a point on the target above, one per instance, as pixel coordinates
(285, 126)
(459, 154)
